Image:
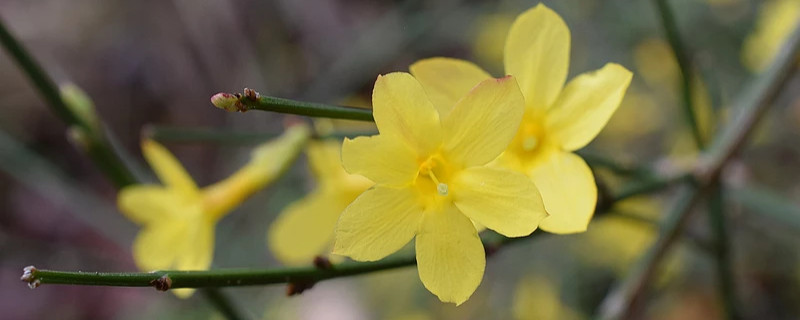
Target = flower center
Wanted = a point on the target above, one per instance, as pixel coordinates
(429, 169)
(530, 134)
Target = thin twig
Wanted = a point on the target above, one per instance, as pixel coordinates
(171, 134)
(685, 66)
(222, 302)
(252, 100)
(716, 216)
(725, 279)
(95, 143)
(623, 300)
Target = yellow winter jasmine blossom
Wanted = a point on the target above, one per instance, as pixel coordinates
(178, 218)
(775, 21)
(558, 119)
(432, 181)
(305, 228)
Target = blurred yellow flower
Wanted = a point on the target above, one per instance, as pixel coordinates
(775, 21)
(305, 228)
(538, 298)
(178, 218)
(489, 38)
(432, 177)
(557, 119)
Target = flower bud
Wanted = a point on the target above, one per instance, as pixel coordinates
(226, 101)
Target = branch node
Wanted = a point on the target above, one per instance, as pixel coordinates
(295, 288)
(29, 276)
(163, 283)
(322, 263)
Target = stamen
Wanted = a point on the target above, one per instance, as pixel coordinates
(442, 188)
(433, 177)
(529, 143)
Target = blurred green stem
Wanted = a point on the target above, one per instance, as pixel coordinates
(724, 263)
(623, 300)
(170, 134)
(95, 143)
(685, 66)
(222, 303)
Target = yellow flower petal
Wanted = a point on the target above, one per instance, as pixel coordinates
(267, 162)
(537, 53)
(382, 159)
(197, 246)
(450, 256)
(568, 190)
(447, 80)
(378, 223)
(158, 245)
(586, 104)
(501, 200)
(402, 110)
(183, 293)
(168, 169)
(324, 158)
(483, 123)
(147, 203)
(305, 228)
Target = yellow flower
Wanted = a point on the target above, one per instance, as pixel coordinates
(178, 218)
(305, 228)
(558, 119)
(432, 180)
(775, 21)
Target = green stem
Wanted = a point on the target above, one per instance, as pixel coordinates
(169, 134)
(222, 302)
(165, 280)
(685, 66)
(615, 166)
(95, 143)
(623, 300)
(253, 101)
(725, 279)
(697, 241)
(649, 185)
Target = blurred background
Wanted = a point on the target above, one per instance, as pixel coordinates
(152, 65)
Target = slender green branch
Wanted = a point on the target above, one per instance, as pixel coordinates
(650, 184)
(696, 240)
(222, 302)
(623, 300)
(685, 66)
(251, 100)
(725, 278)
(96, 145)
(615, 166)
(780, 211)
(169, 134)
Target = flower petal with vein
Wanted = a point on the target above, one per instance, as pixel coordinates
(558, 119)
(432, 180)
(178, 218)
